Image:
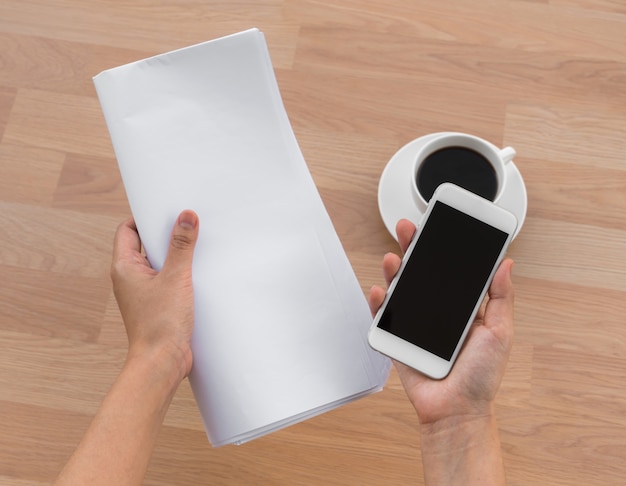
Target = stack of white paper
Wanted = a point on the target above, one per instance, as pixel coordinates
(281, 321)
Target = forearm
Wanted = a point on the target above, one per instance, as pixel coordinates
(462, 451)
(119, 442)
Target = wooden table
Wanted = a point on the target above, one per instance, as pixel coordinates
(359, 80)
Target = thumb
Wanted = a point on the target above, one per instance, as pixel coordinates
(499, 311)
(182, 242)
(501, 286)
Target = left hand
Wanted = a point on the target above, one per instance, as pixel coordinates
(157, 307)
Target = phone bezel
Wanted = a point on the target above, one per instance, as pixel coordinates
(406, 352)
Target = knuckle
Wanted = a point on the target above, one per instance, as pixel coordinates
(181, 241)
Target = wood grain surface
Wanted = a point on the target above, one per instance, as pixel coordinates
(359, 78)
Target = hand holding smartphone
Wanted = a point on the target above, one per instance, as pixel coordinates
(444, 276)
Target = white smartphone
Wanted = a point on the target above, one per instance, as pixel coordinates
(444, 276)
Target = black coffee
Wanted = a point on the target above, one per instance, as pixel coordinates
(461, 166)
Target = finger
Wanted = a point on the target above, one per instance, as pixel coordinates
(405, 231)
(502, 286)
(499, 310)
(182, 242)
(481, 311)
(391, 265)
(376, 298)
(126, 243)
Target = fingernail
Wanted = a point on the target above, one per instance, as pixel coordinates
(188, 220)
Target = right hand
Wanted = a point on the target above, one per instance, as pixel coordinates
(470, 388)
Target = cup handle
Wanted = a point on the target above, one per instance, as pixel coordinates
(507, 154)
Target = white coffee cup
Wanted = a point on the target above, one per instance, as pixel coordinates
(470, 162)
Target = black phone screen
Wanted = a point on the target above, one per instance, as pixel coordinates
(442, 280)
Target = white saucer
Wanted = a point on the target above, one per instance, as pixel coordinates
(395, 200)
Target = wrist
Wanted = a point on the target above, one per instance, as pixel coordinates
(462, 449)
(453, 429)
(166, 364)
(459, 430)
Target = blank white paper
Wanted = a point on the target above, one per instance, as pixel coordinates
(281, 321)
